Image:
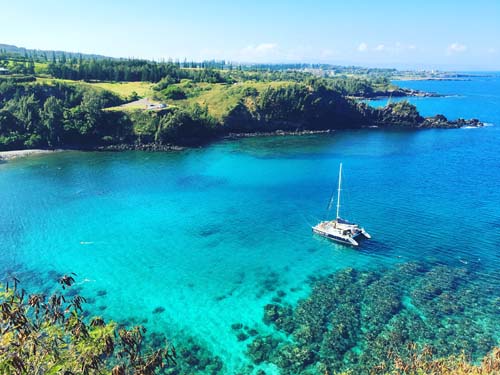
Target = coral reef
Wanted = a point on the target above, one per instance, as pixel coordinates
(194, 358)
(359, 320)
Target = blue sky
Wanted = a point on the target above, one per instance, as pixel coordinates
(418, 34)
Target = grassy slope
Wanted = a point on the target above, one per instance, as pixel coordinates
(122, 89)
(219, 98)
(125, 89)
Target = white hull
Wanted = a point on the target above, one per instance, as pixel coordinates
(341, 231)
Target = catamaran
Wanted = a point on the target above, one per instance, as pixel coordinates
(340, 230)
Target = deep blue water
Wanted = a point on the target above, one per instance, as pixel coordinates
(199, 232)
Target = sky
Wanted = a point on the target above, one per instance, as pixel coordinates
(418, 34)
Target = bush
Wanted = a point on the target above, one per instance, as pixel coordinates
(48, 335)
(174, 93)
(188, 127)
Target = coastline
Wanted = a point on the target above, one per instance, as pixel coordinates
(435, 122)
(9, 155)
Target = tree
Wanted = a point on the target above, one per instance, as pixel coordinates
(52, 119)
(48, 335)
(26, 109)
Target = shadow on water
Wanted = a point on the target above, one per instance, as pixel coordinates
(199, 182)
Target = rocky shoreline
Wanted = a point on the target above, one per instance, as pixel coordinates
(441, 122)
(398, 93)
(153, 147)
(434, 122)
(276, 133)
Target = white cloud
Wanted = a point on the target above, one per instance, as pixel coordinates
(391, 48)
(264, 47)
(261, 48)
(363, 47)
(492, 50)
(456, 48)
(259, 51)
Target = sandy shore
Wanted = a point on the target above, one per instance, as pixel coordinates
(8, 155)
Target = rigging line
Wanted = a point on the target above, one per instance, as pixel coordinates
(330, 203)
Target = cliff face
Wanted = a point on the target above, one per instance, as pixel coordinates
(404, 115)
(291, 108)
(326, 110)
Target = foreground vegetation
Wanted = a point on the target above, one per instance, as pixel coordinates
(48, 335)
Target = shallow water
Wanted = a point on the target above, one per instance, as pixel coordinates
(211, 234)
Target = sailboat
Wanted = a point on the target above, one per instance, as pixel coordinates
(340, 230)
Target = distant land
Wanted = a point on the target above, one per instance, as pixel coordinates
(9, 48)
(314, 68)
(58, 99)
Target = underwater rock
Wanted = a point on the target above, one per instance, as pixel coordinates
(253, 332)
(73, 291)
(242, 336)
(236, 326)
(271, 281)
(262, 348)
(293, 358)
(193, 358)
(272, 313)
(157, 339)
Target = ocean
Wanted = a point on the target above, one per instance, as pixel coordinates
(190, 243)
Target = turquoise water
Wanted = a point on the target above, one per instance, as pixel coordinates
(210, 234)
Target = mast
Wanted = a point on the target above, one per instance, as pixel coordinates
(338, 194)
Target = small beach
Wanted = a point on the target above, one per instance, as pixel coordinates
(8, 155)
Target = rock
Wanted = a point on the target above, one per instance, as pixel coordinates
(253, 332)
(262, 348)
(154, 147)
(242, 336)
(271, 313)
(294, 359)
(236, 326)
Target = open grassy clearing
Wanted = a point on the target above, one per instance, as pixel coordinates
(125, 89)
(220, 98)
(122, 89)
